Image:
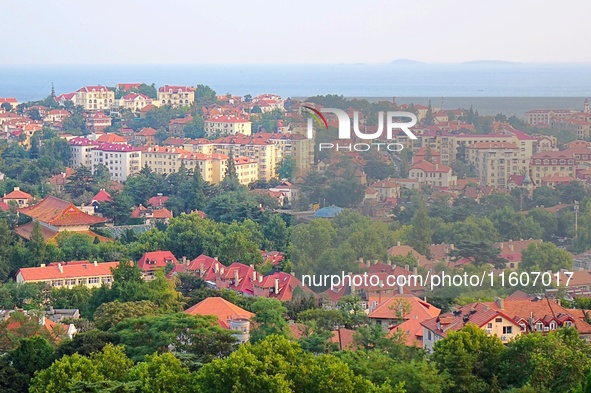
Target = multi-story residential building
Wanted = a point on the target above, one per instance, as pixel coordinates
(95, 98)
(258, 149)
(550, 163)
(81, 149)
(98, 121)
(123, 161)
(495, 162)
(135, 101)
(69, 274)
(176, 95)
(297, 146)
(435, 175)
(227, 125)
(545, 116)
(56, 115)
(246, 170)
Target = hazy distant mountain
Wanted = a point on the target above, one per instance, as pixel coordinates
(405, 62)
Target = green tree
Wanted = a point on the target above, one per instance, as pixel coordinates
(178, 332)
(269, 319)
(546, 197)
(514, 226)
(421, 233)
(470, 357)
(118, 208)
(107, 315)
(161, 373)
(546, 220)
(545, 256)
(555, 362)
(479, 253)
(286, 168)
(32, 354)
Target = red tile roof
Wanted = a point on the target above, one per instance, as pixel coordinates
(157, 201)
(156, 259)
(64, 270)
(102, 196)
(57, 212)
(18, 194)
(111, 138)
(89, 89)
(220, 308)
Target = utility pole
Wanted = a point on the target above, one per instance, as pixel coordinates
(576, 207)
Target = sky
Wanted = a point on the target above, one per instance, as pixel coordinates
(40, 32)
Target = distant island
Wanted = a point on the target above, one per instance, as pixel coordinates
(405, 62)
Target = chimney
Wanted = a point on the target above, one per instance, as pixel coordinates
(201, 269)
(406, 267)
(276, 286)
(17, 188)
(398, 243)
(368, 263)
(95, 263)
(389, 262)
(350, 274)
(60, 267)
(511, 247)
(185, 262)
(254, 274)
(222, 270)
(501, 245)
(438, 323)
(236, 277)
(500, 303)
(42, 265)
(360, 259)
(375, 261)
(260, 278)
(415, 271)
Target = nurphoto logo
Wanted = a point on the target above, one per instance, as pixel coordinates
(393, 122)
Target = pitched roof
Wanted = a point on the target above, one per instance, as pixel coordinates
(156, 259)
(147, 131)
(419, 309)
(57, 212)
(111, 138)
(64, 270)
(102, 196)
(220, 308)
(18, 194)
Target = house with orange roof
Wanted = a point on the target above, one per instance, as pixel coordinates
(10, 101)
(69, 274)
(149, 214)
(21, 198)
(204, 267)
(237, 277)
(152, 261)
(97, 121)
(279, 285)
(146, 136)
(403, 314)
(56, 115)
(435, 175)
(29, 324)
(56, 215)
(506, 318)
(110, 138)
(229, 315)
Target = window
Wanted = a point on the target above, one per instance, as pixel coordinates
(94, 280)
(498, 320)
(489, 326)
(507, 329)
(539, 326)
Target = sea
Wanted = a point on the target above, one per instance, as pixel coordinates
(490, 87)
